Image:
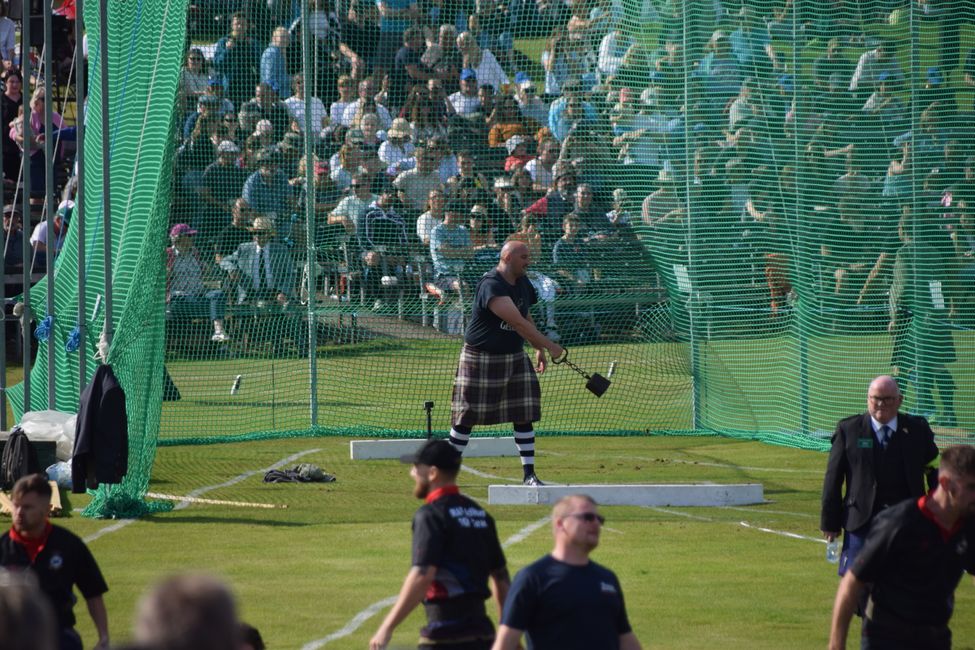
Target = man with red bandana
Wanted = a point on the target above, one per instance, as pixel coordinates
(455, 553)
(58, 558)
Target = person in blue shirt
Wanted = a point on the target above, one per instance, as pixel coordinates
(274, 63)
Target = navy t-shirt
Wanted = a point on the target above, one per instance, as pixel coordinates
(566, 606)
(486, 331)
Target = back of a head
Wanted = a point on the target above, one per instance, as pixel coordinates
(188, 612)
(26, 619)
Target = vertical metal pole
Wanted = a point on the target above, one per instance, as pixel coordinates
(106, 179)
(311, 257)
(49, 200)
(692, 300)
(25, 317)
(79, 210)
(3, 294)
(801, 316)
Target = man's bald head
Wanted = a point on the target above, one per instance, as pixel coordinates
(512, 247)
(884, 399)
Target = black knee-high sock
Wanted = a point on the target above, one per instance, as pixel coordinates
(525, 441)
(459, 436)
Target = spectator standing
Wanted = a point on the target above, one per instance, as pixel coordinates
(409, 70)
(57, 557)
(881, 456)
(274, 62)
(237, 57)
(565, 600)
(911, 563)
(394, 19)
(456, 553)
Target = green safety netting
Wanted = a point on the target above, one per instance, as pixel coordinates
(769, 206)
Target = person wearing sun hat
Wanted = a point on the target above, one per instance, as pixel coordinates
(186, 294)
(262, 268)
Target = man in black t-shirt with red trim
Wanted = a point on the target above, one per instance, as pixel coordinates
(455, 553)
(495, 380)
(914, 556)
(58, 558)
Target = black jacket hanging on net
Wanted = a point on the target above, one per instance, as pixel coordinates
(101, 443)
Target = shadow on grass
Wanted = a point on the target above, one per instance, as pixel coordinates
(168, 518)
(294, 404)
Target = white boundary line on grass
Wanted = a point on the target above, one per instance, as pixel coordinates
(373, 609)
(745, 524)
(201, 491)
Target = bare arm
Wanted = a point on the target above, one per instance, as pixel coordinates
(500, 583)
(629, 641)
(411, 594)
(878, 267)
(846, 603)
(507, 638)
(99, 616)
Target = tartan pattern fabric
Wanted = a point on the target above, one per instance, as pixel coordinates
(492, 388)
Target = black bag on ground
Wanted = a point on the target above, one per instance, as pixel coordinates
(19, 459)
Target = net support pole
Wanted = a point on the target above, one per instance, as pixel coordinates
(79, 208)
(106, 179)
(801, 318)
(53, 238)
(28, 258)
(311, 257)
(694, 300)
(3, 295)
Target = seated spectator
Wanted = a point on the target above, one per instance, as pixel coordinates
(752, 45)
(551, 208)
(296, 105)
(267, 190)
(555, 62)
(415, 185)
(346, 87)
(186, 293)
(570, 112)
(434, 216)
(518, 155)
(662, 202)
(261, 269)
(507, 207)
(351, 210)
(223, 183)
(397, 152)
(237, 57)
(351, 163)
(871, 65)
(426, 117)
(215, 88)
(571, 257)
(831, 62)
(188, 612)
(41, 241)
(236, 233)
(395, 17)
(372, 137)
(451, 248)
(529, 103)
(268, 106)
(274, 62)
(620, 217)
(491, 23)
(36, 154)
(590, 214)
(541, 169)
(447, 165)
(385, 246)
(719, 71)
(468, 182)
(367, 91)
(10, 106)
(465, 101)
(443, 57)
(193, 79)
(612, 50)
(485, 246)
(486, 68)
(507, 121)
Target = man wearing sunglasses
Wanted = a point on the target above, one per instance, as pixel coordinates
(566, 601)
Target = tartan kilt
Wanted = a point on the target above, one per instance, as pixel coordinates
(493, 388)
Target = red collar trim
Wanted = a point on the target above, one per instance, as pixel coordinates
(444, 491)
(946, 534)
(33, 545)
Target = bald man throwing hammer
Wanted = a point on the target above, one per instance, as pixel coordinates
(495, 379)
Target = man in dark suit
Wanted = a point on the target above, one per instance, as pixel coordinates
(882, 456)
(263, 268)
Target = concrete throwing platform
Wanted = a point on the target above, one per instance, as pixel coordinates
(386, 449)
(707, 494)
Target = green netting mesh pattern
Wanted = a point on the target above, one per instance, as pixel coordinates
(771, 202)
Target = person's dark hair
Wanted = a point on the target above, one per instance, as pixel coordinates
(250, 635)
(959, 460)
(36, 483)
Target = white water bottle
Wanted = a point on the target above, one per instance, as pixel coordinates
(833, 551)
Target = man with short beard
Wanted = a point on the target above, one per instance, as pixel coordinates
(456, 552)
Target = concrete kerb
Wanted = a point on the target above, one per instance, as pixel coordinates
(709, 494)
(393, 449)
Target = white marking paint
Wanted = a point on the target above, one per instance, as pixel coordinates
(373, 609)
(804, 515)
(201, 491)
(479, 473)
(745, 524)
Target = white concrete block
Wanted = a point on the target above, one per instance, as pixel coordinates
(632, 495)
(387, 449)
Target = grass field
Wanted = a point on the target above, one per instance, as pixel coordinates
(693, 577)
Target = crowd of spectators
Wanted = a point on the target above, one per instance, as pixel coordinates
(433, 140)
